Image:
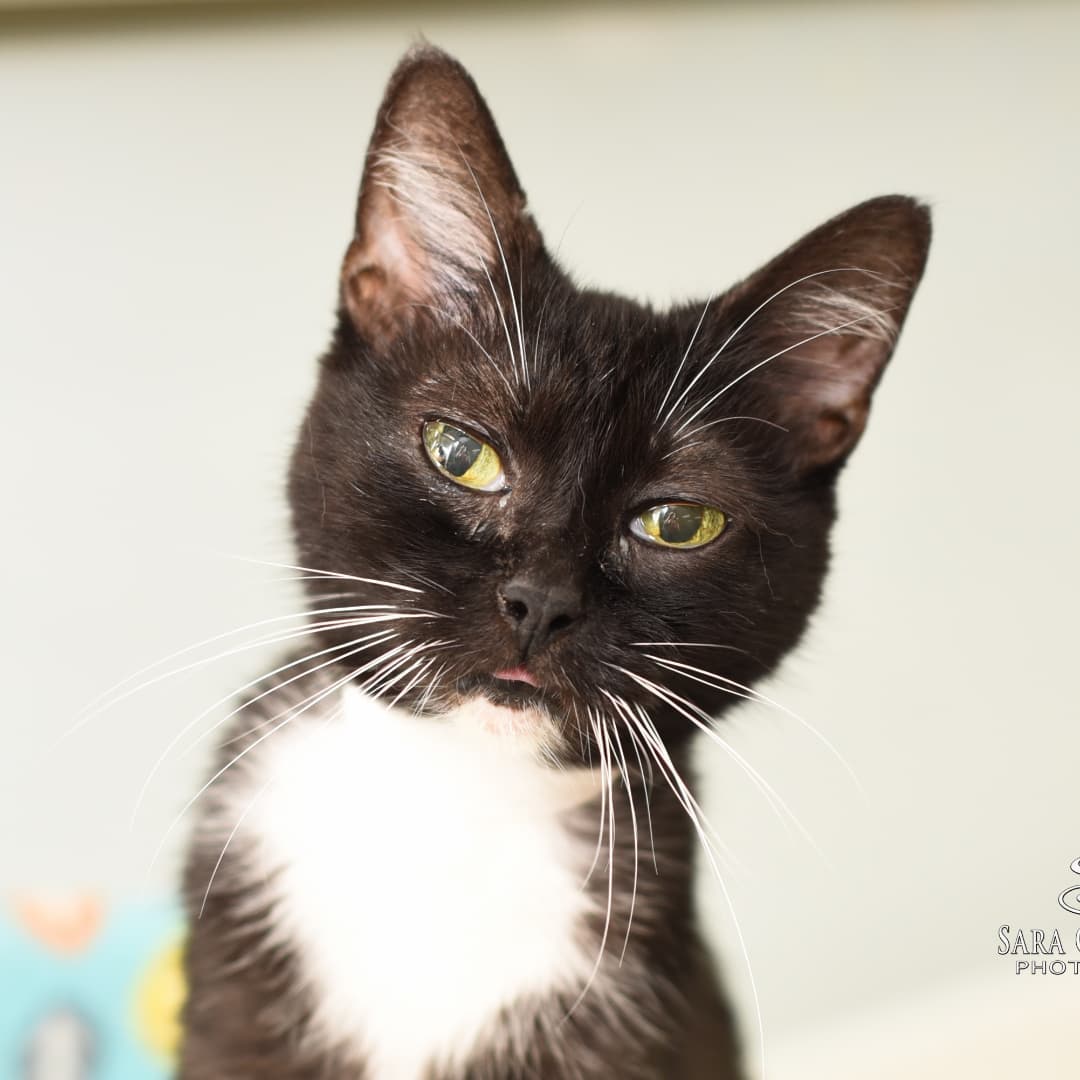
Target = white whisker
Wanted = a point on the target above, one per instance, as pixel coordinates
(365, 642)
(383, 681)
(606, 789)
(290, 715)
(275, 638)
(738, 329)
(621, 754)
(430, 689)
(675, 782)
(464, 329)
(768, 359)
(703, 722)
(323, 573)
(645, 771)
(603, 805)
(684, 444)
(228, 841)
(687, 645)
(506, 270)
(750, 694)
(682, 362)
(294, 615)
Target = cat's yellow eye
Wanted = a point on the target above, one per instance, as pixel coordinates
(462, 457)
(679, 524)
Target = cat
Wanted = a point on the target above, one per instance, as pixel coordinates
(549, 534)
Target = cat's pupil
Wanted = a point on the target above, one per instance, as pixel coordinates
(456, 452)
(679, 524)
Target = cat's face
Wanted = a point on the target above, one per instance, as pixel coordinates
(594, 508)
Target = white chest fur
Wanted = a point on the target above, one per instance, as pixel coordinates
(422, 870)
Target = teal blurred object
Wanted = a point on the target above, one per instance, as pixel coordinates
(89, 992)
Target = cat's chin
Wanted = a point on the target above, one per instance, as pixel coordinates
(529, 729)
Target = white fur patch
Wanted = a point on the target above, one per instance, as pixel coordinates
(421, 870)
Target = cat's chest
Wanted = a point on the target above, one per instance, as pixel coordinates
(423, 875)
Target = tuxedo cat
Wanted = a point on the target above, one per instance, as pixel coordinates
(549, 535)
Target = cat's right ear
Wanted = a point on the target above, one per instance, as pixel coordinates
(440, 207)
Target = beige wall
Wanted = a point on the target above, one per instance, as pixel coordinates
(174, 199)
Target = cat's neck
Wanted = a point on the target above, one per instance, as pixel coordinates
(429, 873)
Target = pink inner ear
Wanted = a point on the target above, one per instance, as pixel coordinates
(396, 253)
(383, 272)
(832, 430)
(824, 394)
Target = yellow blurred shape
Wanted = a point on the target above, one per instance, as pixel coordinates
(159, 997)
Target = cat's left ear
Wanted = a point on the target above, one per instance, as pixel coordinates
(817, 325)
(440, 207)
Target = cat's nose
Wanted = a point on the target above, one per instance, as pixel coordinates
(538, 610)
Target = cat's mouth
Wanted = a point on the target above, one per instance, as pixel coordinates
(517, 674)
(514, 688)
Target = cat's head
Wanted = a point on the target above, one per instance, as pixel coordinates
(575, 502)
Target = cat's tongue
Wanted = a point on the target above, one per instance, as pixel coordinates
(517, 674)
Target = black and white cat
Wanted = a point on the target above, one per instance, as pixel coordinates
(551, 534)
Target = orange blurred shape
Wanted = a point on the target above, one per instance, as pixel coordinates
(64, 923)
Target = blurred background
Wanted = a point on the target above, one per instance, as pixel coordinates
(176, 191)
